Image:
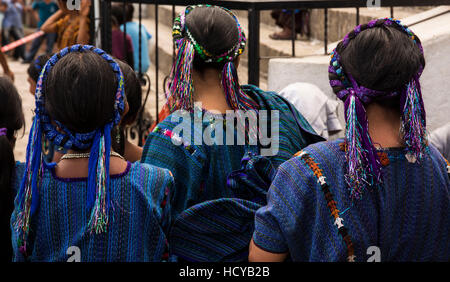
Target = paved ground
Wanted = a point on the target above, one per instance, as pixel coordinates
(20, 73)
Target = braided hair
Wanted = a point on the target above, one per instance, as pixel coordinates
(65, 121)
(380, 61)
(207, 36)
(35, 68)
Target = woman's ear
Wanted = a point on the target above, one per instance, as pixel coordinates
(236, 62)
(125, 111)
(13, 142)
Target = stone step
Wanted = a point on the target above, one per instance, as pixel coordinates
(340, 21)
(268, 47)
(432, 27)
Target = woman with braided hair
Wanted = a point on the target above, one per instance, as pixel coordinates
(204, 87)
(380, 194)
(92, 205)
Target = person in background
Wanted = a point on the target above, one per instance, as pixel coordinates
(34, 70)
(71, 26)
(133, 29)
(133, 92)
(42, 10)
(440, 138)
(11, 120)
(120, 50)
(6, 70)
(12, 27)
(380, 194)
(319, 110)
(283, 19)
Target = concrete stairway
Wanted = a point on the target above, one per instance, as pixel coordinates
(340, 22)
(432, 27)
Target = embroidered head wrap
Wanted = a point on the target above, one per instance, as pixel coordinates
(181, 87)
(364, 167)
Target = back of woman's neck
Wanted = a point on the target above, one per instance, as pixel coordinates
(208, 90)
(384, 126)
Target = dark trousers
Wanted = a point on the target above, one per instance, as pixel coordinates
(36, 44)
(12, 34)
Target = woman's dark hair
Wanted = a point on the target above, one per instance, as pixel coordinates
(114, 21)
(80, 92)
(133, 92)
(35, 67)
(382, 58)
(11, 118)
(215, 30)
(129, 12)
(117, 12)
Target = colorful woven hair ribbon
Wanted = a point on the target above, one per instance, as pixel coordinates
(236, 97)
(364, 167)
(181, 75)
(413, 120)
(181, 87)
(99, 141)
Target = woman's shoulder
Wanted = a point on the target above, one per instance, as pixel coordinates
(179, 129)
(152, 175)
(146, 181)
(261, 96)
(325, 151)
(266, 98)
(324, 156)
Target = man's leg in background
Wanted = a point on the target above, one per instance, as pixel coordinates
(34, 49)
(51, 38)
(16, 34)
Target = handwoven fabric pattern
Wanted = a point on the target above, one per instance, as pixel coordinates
(201, 171)
(138, 220)
(213, 231)
(407, 218)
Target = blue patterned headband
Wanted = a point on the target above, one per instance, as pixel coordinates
(98, 140)
(37, 66)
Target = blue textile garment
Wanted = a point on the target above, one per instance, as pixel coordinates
(138, 219)
(406, 219)
(221, 230)
(201, 171)
(213, 231)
